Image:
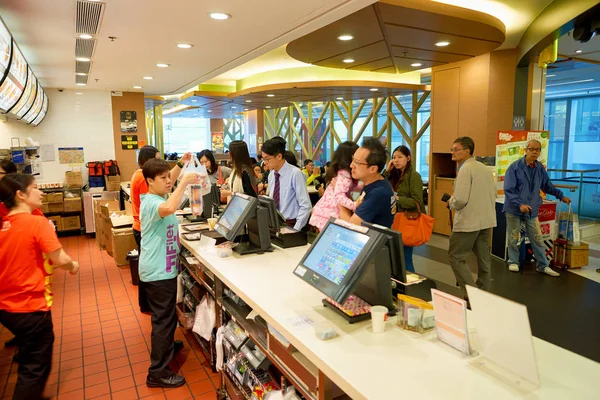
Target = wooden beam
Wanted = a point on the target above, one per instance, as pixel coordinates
(423, 129)
(401, 109)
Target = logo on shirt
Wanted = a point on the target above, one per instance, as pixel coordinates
(5, 226)
(172, 246)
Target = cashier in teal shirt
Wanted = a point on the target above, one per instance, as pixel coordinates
(158, 266)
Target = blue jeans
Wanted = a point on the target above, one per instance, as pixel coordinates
(408, 259)
(534, 233)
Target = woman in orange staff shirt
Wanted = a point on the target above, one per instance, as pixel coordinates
(26, 281)
(137, 187)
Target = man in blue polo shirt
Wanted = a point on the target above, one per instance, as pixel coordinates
(378, 204)
(522, 184)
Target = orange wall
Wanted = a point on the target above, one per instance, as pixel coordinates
(128, 102)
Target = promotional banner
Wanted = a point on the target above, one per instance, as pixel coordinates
(510, 147)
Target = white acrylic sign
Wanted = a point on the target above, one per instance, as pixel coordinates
(451, 320)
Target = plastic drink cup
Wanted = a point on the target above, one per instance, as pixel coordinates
(196, 199)
(211, 223)
(378, 317)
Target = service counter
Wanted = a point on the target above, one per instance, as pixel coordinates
(393, 364)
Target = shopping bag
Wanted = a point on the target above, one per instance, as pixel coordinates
(568, 227)
(194, 166)
(205, 318)
(416, 227)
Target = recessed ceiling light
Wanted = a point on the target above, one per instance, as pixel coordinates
(82, 59)
(219, 15)
(578, 51)
(268, 107)
(270, 95)
(80, 84)
(374, 89)
(137, 87)
(339, 98)
(348, 60)
(148, 78)
(184, 45)
(85, 36)
(416, 64)
(550, 76)
(194, 100)
(246, 109)
(248, 101)
(80, 73)
(78, 93)
(442, 43)
(162, 65)
(345, 38)
(233, 107)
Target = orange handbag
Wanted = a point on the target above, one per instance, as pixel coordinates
(416, 227)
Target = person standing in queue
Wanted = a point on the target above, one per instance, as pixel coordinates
(408, 185)
(377, 203)
(158, 267)
(287, 184)
(26, 281)
(474, 202)
(139, 187)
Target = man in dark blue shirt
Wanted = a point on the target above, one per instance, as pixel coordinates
(377, 203)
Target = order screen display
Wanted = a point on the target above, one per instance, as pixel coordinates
(335, 252)
(232, 213)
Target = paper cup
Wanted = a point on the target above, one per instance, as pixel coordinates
(211, 223)
(378, 318)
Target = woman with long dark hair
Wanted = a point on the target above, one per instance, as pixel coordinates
(408, 185)
(29, 252)
(217, 174)
(338, 192)
(242, 179)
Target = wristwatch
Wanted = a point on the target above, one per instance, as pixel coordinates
(179, 164)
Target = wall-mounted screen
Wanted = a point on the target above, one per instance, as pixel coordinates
(5, 41)
(26, 100)
(37, 105)
(43, 113)
(14, 84)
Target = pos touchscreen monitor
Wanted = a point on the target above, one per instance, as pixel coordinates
(275, 218)
(234, 218)
(395, 249)
(339, 257)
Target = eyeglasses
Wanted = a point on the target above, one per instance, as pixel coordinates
(534, 149)
(358, 162)
(267, 159)
(455, 150)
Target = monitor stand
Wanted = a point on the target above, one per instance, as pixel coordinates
(259, 240)
(195, 218)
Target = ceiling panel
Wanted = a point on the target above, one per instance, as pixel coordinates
(426, 55)
(363, 55)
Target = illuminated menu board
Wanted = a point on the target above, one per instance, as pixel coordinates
(5, 41)
(37, 105)
(26, 100)
(43, 113)
(14, 84)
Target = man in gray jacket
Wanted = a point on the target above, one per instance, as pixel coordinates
(474, 203)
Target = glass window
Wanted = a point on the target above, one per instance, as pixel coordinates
(556, 122)
(586, 114)
(186, 134)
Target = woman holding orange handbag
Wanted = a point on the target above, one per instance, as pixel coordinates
(408, 185)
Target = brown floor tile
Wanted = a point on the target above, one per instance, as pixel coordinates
(144, 390)
(70, 385)
(126, 394)
(94, 368)
(70, 374)
(202, 387)
(96, 379)
(122, 383)
(97, 390)
(117, 363)
(118, 373)
(181, 393)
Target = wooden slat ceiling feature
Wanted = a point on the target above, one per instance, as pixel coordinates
(222, 105)
(389, 38)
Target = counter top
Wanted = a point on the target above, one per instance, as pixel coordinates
(372, 366)
(125, 188)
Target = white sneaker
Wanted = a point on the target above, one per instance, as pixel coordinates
(513, 267)
(548, 271)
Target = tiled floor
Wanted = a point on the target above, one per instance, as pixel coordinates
(102, 341)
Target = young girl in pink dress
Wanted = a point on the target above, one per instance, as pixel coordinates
(339, 187)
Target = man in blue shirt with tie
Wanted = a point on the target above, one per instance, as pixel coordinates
(287, 184)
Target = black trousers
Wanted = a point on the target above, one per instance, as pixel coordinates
(36, 337)
(142, 300)
(162, 296)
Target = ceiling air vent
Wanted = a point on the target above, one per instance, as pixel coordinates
(82, 67)
(89, 17)
(81, 79)
(84, 47)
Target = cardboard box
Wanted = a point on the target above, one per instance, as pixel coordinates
(55, 198)
(122, 243)
(44, 208)
(70, 223)
(56, 220)
(55, 207)
(113, 183)
(44, 198)
(576, 257)
(108, 207)
(72, 203)
(73, 179)
(107, 231)
(128, 208)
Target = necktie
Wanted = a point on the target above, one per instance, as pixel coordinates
(276, 190)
